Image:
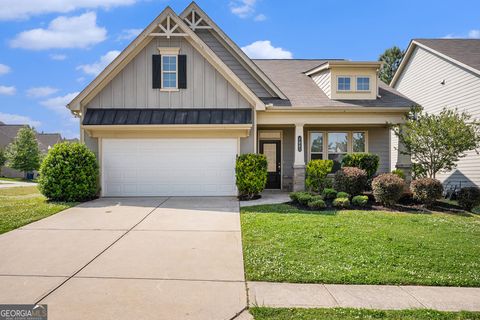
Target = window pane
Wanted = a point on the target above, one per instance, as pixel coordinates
(337, 161)
(337, 142)
(169, 80)
(316, 142)
(316, 156)
(343, 83)
(363, 83)
(358, 141)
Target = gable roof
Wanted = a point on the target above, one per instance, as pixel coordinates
(140, 42)
(463, 52)
(46, 140)
(8, 132)
(302, 91)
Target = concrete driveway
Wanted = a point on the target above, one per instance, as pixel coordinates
(130, 258)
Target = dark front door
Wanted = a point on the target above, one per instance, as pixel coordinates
(271, 149)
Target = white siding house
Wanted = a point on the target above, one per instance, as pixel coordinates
(444, 73)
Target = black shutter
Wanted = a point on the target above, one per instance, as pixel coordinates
(182, 71)
(156, 71)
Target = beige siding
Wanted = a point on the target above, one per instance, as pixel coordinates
(323, 80)
(379, 144)
(421, 82)
(132, 87)
(247, 144)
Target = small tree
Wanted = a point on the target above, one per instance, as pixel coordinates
(437, 141)
(391, 59)
(3, 159)
(23, 153)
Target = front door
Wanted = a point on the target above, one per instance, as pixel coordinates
(271, 149)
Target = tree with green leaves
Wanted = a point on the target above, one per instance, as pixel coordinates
(3, 159)
(23, 153)
(391, 59)
(437, 141)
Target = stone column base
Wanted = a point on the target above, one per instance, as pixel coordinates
(299, 178)
(407, 171)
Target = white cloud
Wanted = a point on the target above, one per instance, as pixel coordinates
(23, 9)
(265, 50)
(4, 69)
(63, 32)
(97, 67)
(8, 91)
(129, 34)
(58, 57)
(243, 8)
(38, 92)
(472, 34)
(59, 104)
(18, 119)
(260, 17)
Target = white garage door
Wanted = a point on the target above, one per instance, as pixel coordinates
(171, 167)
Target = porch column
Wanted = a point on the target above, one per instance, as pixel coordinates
(299, 163)
(404, 163)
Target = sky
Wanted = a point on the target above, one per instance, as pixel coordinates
(50, 50)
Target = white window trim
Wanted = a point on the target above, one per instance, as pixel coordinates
(325, 152)
(169, 52)
(369, 84)
(351, 83)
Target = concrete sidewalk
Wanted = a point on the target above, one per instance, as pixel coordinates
(288, 295)
(11, 184)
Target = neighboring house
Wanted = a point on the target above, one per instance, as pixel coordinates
(170, 114)
(8, 132)
(438, 73)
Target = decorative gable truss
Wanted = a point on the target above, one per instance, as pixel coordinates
(168, 28)
(195, 21)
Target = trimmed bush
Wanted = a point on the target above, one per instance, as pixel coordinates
(350, 180)
(304, 198)
(343, 195)
(69, 172)
(399, 173)
(341, 203)
(387, 188)
(294, 196)
(426, 190)
(317, 204)
(469, 197)
(329, 193)
(360, 201)
(365, 161)
(316, 173)
(251, 174)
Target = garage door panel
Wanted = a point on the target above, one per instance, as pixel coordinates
(153, 167)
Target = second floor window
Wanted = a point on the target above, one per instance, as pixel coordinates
(169, 72)
(363, 83)
(343, 84)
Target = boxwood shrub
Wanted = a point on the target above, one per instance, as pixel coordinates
(251, 174)
(360, 201)
(388, 188)
(69, 172)
(304, 198)
(469, 197)
(329, 193)
(317, 204)
(343, 195)
(365, 161)
(341, 203)
(426, 190)
(316, 174)
(350, 180)
(399, 173)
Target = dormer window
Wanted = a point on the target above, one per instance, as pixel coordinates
(169, 72)
(363, 83)
(343, 83)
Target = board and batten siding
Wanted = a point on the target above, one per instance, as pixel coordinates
(132, 87)
(421, 81)
(323, 80)
(232, 62)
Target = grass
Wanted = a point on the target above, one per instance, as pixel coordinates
(17, 179)
(22, 205)
(285, 244)
(358, 314)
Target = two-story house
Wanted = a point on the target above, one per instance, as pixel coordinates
(170, 114)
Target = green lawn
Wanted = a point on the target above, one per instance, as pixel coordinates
(284, 244)
(357, 314)
(17, 179)
(22, 205)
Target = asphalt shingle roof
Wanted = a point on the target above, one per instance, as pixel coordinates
(466, 51)
(302, 91)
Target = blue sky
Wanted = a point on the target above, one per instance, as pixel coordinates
(52, 49)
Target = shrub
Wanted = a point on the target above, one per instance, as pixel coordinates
(426, 190)
(341, 203)
(399, 173)
(343, 195)
(469, 197)
(360, 201)
(365, 161)
(350, 180)
(316, 173)
(251, 174)
(387, 188)
(294, 196)
(69, 172)
(317, 204)
(329, 193)
(304, 198)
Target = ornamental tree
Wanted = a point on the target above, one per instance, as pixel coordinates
(23, 153)
(436, 142)
(391, 59)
